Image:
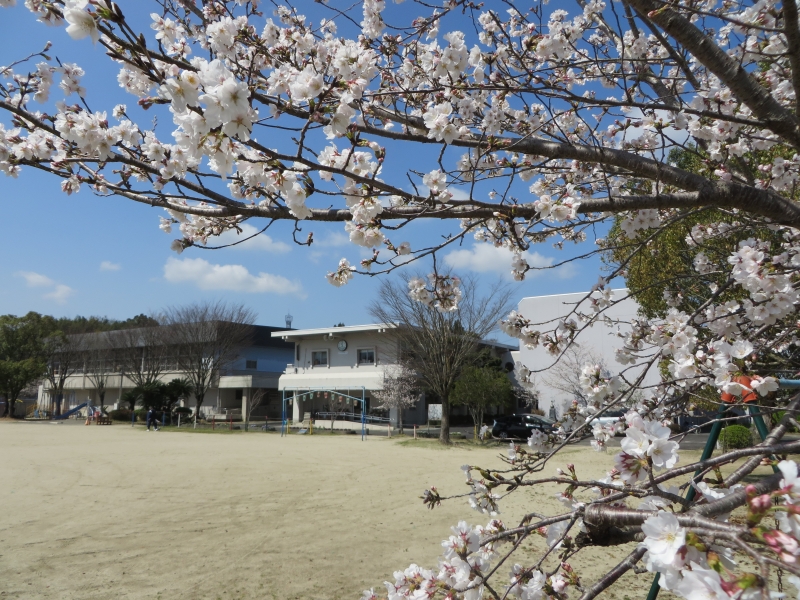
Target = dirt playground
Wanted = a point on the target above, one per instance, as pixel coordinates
(116, 512)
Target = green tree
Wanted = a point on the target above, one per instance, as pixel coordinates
(655, 261)
(479, 388)
(678, 266)
(175, 390)
(153, 394)
(95, 324)
(22, 354)
(131, 397)
(15, 376)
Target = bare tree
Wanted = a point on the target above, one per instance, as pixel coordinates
(99, 363)
(438, 343)
(255, 400)
(142, 352)
(337, 404)
(565, 375)
(527, 395)
(64, 358)
(207, 338)
(400, 390)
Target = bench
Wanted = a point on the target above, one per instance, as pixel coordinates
(104, 420)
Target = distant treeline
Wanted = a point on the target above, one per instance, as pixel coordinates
(94, 324)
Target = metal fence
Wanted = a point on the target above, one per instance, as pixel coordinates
(349, 416)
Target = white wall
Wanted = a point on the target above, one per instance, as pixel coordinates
(600, 339)
(344, 360)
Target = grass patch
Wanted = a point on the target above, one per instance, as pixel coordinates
(217, 431)
(435, 445)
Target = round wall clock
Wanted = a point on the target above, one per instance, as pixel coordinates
(342, 345)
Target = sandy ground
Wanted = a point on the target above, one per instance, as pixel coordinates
(115, 512)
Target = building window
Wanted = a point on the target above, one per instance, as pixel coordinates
(251, 364)
(366, 356)
(319, 358)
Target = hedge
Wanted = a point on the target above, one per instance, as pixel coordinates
(736, 436)
(121, 414)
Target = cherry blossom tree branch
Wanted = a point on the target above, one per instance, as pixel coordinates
(608, 579)
(730, 72)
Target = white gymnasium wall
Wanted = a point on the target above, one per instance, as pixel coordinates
(600, 339)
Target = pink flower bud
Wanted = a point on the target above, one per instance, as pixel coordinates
(760, 504)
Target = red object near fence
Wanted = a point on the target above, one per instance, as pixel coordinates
(747, 396)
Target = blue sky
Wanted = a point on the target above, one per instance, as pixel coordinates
(89, 255)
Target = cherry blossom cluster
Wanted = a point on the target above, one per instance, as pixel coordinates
(645, 449)
(467, 557)
(691, 566)
(441, 291)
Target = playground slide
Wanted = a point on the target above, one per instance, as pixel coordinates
(70, 412)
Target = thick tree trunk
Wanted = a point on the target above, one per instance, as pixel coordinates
(400, 419)
(6, 410)
(57, 411)
(444, 433)
(102, 397)
(198, 404)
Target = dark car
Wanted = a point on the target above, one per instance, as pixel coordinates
(520, 426)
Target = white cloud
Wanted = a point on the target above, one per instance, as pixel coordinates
(35, 279)
(259, 242)
(486, 258)
(107, 265)
(60, 294)
(459, 193)
(332, 239)
(59, 291)
(235, 278)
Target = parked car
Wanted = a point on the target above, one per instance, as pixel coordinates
(520, 426)
(611, 417)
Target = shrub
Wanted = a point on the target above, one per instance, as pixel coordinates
(736, 436)
(182, 410)
(121, 414)
(776, 418)
(141, 414)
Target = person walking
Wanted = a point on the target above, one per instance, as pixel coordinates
(151, 419)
